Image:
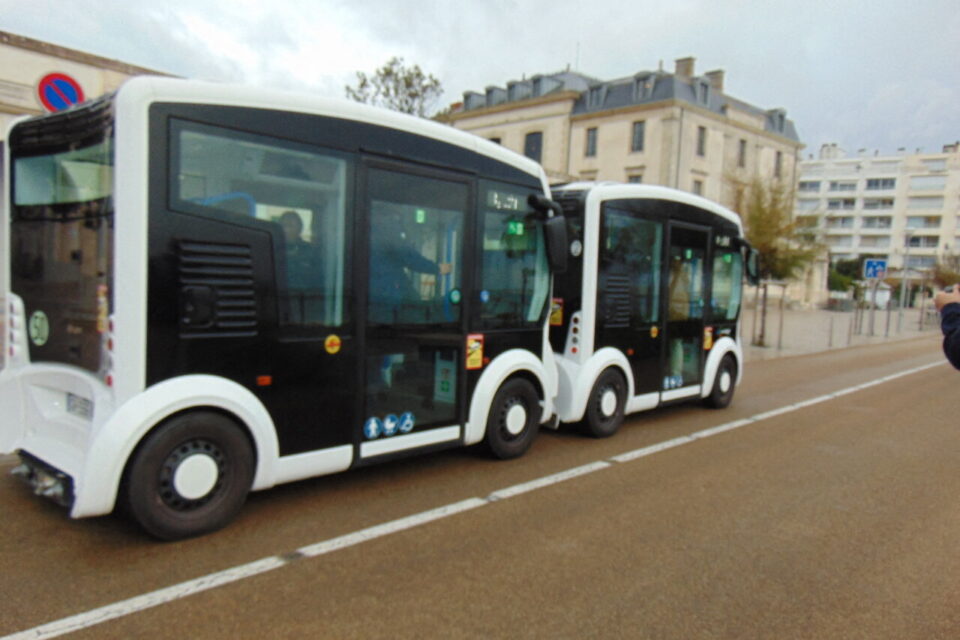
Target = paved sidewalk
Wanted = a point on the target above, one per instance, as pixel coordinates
(811, 331)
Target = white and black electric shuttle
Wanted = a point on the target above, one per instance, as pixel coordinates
(648, 310)
(212, 290)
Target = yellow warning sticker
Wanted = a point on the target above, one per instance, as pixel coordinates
(556, 312)
(475, 351)
(332, 344)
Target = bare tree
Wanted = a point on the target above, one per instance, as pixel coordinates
(786, 246)
(398, 87)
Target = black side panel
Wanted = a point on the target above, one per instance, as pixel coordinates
(209, 299)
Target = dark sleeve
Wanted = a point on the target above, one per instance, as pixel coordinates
(950, 324)
(417, 263)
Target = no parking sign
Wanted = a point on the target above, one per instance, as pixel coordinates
(58, 91)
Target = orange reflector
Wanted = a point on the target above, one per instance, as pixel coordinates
(264, 381)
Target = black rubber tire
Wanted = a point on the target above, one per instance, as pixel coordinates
(502, 443)
(595, 423)
(150, 495)
(721, 397)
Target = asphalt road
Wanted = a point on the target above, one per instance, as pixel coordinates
(837, 519)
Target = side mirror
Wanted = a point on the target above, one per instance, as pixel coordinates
(753, 266)
(555, 229)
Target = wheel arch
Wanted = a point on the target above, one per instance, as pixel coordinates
(720, 349)
(120, 437)
(510, 364)
(578, 386)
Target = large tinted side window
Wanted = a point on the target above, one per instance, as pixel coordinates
(727, 285)
(628, 273)
(416, 257)
(302, 190)
(515, 276)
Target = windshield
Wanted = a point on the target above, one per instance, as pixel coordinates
(61, 234)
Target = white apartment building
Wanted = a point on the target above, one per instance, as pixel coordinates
(901, 207)
(675, 129)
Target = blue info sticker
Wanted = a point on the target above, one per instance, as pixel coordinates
(372, 428)
(407, 422)
(390, 425)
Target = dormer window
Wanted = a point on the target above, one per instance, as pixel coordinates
(642, 87)
(703, 92)
(595, 97)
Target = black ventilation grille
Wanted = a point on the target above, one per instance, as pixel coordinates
(616, 301)
(217, 293)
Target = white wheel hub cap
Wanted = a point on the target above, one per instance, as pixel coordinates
(608, 402)
(516, 419)
(726, 380)
(196, 476)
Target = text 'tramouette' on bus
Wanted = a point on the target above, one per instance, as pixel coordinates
(217, 289)
(648, 310)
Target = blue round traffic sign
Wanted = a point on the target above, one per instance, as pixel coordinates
(58, 91)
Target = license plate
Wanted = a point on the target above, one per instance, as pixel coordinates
(80, 407)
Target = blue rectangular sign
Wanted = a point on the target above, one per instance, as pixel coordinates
(874, 268)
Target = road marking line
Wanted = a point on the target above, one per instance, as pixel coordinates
(184, 589)
(546, 481)
(385, 529)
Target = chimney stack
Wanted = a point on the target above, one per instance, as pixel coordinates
(716, 79)
(684, 67)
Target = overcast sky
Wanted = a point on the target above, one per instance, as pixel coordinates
(874, 74)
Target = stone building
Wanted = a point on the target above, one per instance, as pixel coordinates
(675, 129)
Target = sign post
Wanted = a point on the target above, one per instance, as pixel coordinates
(874, 270)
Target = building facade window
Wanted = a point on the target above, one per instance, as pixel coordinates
(635, 178)
(701, 141)
(923, 222)
(778, 165)
(698, 187)
(922, 242)
(878, 203)
(879, 184)
(843, 185)
(841, 203)
(495, 140)
(809, 186)
(875, 242)
(925, 202)
(533, 145)
(636, 139)
(591, 143)
(844, 222)
(928, 183)
(742, 153)
(877, 222)
(921, 262)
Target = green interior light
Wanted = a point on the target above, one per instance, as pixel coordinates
(515, 228)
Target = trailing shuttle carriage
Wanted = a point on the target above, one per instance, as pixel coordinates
(217, 289)
(648, 310)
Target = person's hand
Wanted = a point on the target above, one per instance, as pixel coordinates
(944, 298)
